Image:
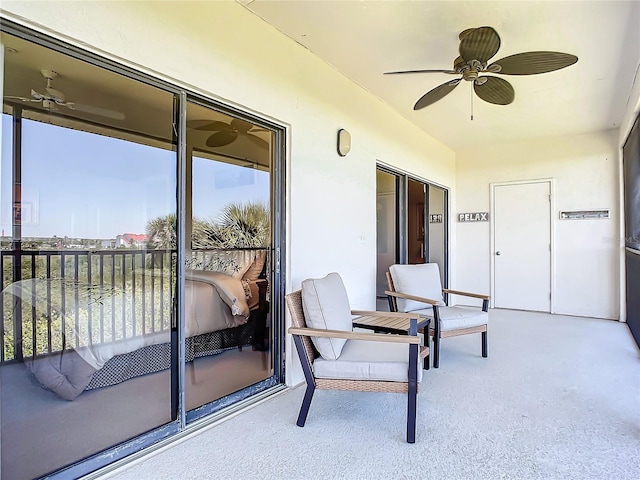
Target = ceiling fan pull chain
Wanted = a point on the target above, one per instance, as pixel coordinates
(471, 90)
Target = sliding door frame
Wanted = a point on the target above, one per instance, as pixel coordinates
(630, 177)
(402, 202)
(203, 414)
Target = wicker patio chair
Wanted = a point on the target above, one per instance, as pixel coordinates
(374, 358)
(412, 287)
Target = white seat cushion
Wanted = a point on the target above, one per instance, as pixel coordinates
(326, 306)
(422, 280)
(365, 360)
(453, 318)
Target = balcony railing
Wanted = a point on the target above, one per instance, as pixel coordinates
(102, 296)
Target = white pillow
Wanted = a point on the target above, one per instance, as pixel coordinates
(326, 306)
(422, 280)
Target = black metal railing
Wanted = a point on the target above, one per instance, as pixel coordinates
(99, 295)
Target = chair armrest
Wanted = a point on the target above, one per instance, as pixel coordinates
(372, 337)
(367, 313)
(412, 297)
(466, 294)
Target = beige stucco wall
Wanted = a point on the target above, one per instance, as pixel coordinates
(586, 252)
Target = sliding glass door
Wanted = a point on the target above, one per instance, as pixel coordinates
(412, 219)
(437, 220)
(631, 179)
(417, 208)
(139, 281)
(81, 182)
(229, 345)
(387, 227)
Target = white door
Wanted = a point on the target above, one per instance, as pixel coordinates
(522, 241)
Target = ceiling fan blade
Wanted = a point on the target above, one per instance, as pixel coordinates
(220, 139)
(208, 125)
(420, 71)
(257, 141)
(56, 94)
(92, 110)
(22, 99)
(532, 63)
(495, 90)
(36, 95)
(436, 94)
(479, 44)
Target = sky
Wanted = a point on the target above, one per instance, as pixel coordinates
(84, 185)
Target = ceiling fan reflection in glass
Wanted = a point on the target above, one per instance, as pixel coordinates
(52, 99)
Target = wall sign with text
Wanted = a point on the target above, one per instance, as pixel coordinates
(584, 214)
(473, 217)
(435, 218)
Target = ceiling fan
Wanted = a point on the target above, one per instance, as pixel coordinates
(227, 133)
(477, 46)
(52, 99)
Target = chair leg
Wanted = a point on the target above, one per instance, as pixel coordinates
(412, 388)
(411, 413)
(306, 403)
(484, 344)
(427, 343)
(436, 336)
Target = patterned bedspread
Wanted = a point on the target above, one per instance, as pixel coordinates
(213, 301)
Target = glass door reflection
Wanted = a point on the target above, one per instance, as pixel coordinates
(228, 342)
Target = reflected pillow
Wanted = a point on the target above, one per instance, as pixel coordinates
(255, 269)
(64, 373)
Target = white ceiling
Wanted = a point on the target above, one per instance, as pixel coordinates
(364, 39)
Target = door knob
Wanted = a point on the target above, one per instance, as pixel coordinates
(498, 252)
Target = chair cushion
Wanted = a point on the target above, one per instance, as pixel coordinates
(326, 306)
(365, 360)
(422, 280)
(453, 318)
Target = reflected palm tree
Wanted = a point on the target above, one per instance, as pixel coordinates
(161, 235)
(239, 226)
(161, 232)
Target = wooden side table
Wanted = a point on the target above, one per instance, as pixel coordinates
(399, 325)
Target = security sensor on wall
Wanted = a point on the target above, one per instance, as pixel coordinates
(344, 142)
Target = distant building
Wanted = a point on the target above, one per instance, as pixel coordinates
(108, 243)
(131, 240)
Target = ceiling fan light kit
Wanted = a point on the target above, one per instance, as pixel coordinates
(477, 47)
